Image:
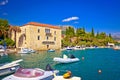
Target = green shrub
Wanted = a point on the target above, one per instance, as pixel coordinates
(8, 41)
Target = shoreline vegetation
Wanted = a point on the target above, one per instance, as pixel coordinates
(70, 37)
(80, 37)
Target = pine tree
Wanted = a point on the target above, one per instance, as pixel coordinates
(92, 32)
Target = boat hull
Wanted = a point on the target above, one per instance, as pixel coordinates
(23, 52)
(26, 50)
(67, 60)
(16, 78)
(61, 78)
(9, 70)
(51, 50)
(2, 50)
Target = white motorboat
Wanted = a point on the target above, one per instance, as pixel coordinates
(2, 50)
(51, 50)
(26, 50)
(9, 68)
(31, 74)
(69, 48)
(116, 47)
(65, 59)
(79, 48)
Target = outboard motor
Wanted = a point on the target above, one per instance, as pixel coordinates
(72, 56)
(48, 68)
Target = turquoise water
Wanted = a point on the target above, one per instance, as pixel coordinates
(107, 60)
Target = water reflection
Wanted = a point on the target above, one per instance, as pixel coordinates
(91, 60)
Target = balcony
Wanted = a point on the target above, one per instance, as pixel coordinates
(48, 42)
(49, 34)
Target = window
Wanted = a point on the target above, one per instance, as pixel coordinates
(47, 30)
(54, 32)
(47, 37)
(54, 38)
(38, 30)
(47, 46)
(38, 37)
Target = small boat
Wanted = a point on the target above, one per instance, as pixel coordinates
(66, 76)
(26, 50)
(69, 48)
(31, 51)
(2, 50)
(51, 50)
(32, 74)
(116, 47)
(9, 68)
(65, 59)
(79, 48)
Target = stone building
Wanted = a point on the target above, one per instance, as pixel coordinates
(39, 36)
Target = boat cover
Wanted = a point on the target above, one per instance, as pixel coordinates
(29, 73)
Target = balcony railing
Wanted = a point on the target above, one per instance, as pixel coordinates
(48, 42)
(49, 34)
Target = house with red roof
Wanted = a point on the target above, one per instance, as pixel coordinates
(39, 36)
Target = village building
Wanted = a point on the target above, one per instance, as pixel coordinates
(38, 36)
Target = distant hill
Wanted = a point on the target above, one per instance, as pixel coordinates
(116, 36)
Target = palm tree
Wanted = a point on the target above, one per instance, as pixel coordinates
(4, 31)
(4, 27)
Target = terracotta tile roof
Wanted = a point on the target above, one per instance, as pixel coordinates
(43, 25)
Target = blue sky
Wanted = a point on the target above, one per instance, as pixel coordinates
(102, 15)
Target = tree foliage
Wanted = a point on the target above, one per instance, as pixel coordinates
(80, 32)
(70, 31)
(81, 37)
(4, 27)
(92, 33)
(8, 41)
(5, 32)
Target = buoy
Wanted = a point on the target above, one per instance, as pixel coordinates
(99, 71)
(67, 75)
(83, 58)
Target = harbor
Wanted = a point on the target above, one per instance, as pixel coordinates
(104, 59)
(59, 40)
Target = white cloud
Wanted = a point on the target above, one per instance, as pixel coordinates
(4, 2)
(70, 19)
